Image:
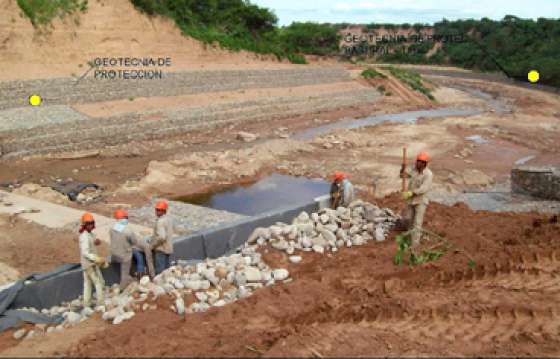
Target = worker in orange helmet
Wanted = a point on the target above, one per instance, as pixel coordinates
(419, 187)
(91, 262)
(124, 244)
(342, 190)
(161, 240)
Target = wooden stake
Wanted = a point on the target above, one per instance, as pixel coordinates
(404, 165)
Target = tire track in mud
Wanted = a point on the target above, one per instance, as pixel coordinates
(520, 302)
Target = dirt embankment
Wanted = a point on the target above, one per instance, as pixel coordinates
(357, 302)
(70, 43)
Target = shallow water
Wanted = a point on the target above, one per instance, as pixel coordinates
(264, 195)
(403, 117)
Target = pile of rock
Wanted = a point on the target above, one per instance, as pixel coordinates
(328, 229)
(217, 282)
(213, 283)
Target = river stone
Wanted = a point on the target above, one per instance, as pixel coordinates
(295, 259)
(252, 274)
(306, 228)
(18, 334)
(30, 334)
(201, 296)
(221, 272)
(358, 240)
(280, 274)
(50, 330)
(220, 303)
(180, 305)
(348, 243)
(204, 284)
(303, 217)
(280, 244)
(112, 314)
(319, 241)
(315, 217)
(144, 280)
(72, 318)
(306, 242)
(86, 312)
(290, 250)
(340, 243)
(200, 307)
(379, 234)
(319, 249)
(328, 235)
(243, 292)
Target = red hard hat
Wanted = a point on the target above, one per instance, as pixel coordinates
(162, 205)
(87, 218)
(423, 156)
(339, 175)
(121, 214)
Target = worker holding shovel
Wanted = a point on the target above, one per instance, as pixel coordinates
(417, 193)
(91, 262)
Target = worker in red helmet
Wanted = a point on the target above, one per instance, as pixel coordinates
(342, 190)
(91, 262)
(161, 240)
(124, 242)
(419, 186)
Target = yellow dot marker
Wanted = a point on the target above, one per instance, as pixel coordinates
(533, 76)
(35, 100)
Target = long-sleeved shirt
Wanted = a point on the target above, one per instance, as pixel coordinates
(88, 252)
(163, 235)
(420, 185)
(123, 239)
(345, 191)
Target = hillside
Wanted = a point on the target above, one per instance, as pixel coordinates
(106, 29)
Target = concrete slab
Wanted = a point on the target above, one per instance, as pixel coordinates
(56, 216)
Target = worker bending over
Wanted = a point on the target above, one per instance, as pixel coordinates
(419, 186)
(342, 191)
(91, 262)
(124, 244)
(161, 241)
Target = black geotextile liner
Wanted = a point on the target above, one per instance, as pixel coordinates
(66, 282)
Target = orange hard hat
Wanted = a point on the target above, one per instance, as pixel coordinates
(87, 218)
(423, 156)
(121, 213)
(162, 205)
(339, 175)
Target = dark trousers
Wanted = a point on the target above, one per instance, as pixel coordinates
(162, 261)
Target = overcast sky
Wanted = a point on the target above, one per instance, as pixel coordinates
(411, 11)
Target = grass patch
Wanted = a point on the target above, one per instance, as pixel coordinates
(42, 12)
(412, 79)
(371, 73)
(404, 242)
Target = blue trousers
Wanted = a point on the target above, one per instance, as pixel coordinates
(140, 263)
(161, 261)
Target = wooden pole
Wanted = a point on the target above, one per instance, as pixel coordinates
(404, 166)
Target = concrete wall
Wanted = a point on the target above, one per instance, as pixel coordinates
(210, 243)
(540, 182)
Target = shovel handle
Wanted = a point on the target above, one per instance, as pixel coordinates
(404, 166)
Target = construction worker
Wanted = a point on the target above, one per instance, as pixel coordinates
(161, 241)
(123, 241)
(91, 262)
(419, 186)
(342, 191)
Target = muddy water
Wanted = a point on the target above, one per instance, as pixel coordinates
(268, 193)
(495, 104)
(403, 117)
